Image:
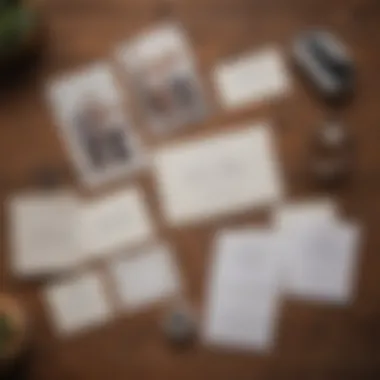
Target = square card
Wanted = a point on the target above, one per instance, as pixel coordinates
(323, 262)
(88, 109)
(162, 71)
(147, 277)
(78, 303)
(114, 222)
(43, 232)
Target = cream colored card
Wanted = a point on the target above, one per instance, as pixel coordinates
(228, 173)
(252, 78)
(147, 277)
(43, 233)
(78, 303)
(114, 222)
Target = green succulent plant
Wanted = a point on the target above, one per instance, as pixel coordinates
(6, 333)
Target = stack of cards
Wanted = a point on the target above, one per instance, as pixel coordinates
(160, 75)
(308, 253)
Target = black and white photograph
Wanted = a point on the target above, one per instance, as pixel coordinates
(88, 109)
(160, 66)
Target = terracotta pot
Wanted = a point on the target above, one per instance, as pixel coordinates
(14, 342)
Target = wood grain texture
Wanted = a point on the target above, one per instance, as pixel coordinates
(314, 342)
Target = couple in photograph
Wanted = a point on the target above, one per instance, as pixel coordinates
(101, 134)
(168, 91)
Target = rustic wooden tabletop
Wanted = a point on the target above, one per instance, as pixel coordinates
(314, 342)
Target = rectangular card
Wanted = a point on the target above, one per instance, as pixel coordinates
(162, 71)
(252, 78)
(244, 290)
(88, 110)
(305, 213)
(211, 177)
(114, 222)
(321, 261)
(145, 278)
(43, 231)
(292, 220)
(77, 304)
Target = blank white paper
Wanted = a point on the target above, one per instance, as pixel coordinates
(43, 230)
(147, 277)
(243, 291)
(78, 304)
(113, 222)
(255, 77)
(211, 177)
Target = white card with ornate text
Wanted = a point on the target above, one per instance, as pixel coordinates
(228, 173)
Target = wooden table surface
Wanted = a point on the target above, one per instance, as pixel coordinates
(314, 341)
